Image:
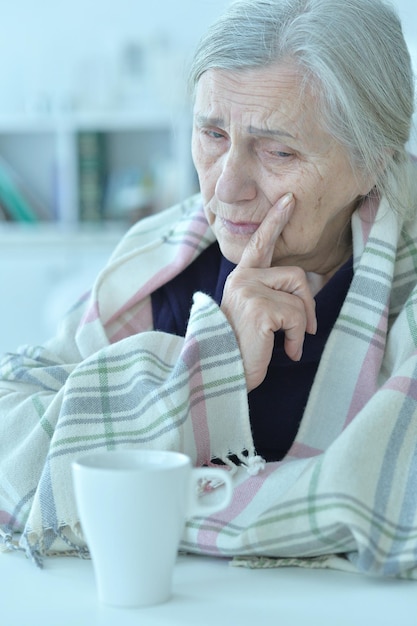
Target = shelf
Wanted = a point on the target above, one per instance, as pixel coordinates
(94, 120)
(150, 147)
(13, 234)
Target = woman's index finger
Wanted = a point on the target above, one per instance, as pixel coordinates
(260, 248)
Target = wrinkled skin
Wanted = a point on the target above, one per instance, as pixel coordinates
(278, 193)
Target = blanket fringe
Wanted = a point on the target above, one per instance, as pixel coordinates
(9, 544)
(325, 561)
(35, 550)
(254, 465)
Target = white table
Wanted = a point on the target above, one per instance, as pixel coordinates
(207, 591)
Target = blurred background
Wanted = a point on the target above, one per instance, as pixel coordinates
(94, 134)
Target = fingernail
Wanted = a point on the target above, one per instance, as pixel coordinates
(285, 201)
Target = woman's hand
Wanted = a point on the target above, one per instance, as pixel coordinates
(259, 299)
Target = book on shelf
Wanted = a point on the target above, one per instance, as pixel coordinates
(129, 194)
(4, 215)
(91, 174)
(123, 193)
(17, 203)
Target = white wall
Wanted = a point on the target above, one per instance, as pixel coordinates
(51, 50)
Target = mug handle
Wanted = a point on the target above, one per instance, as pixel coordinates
(202, 506)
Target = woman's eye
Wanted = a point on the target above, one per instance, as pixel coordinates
(281, 154)
(214, 134)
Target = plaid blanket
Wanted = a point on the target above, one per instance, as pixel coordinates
(347, 488)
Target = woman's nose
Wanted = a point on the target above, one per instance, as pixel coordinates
(235, 182)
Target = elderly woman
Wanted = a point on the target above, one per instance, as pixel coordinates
(269, 323)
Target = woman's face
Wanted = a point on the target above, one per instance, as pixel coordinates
(254, 140)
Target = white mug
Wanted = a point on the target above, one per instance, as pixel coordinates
(133, 505)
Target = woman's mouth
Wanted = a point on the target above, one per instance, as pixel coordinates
(240, 228)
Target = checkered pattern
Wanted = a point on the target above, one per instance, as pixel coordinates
(107, 380)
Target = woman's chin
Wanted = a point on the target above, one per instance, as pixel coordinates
(232, 252)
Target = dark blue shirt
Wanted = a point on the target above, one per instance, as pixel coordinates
(277, 405)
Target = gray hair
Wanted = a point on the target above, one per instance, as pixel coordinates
(353, 56)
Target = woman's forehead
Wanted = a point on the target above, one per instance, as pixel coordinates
(271, 100)
(248, 90)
